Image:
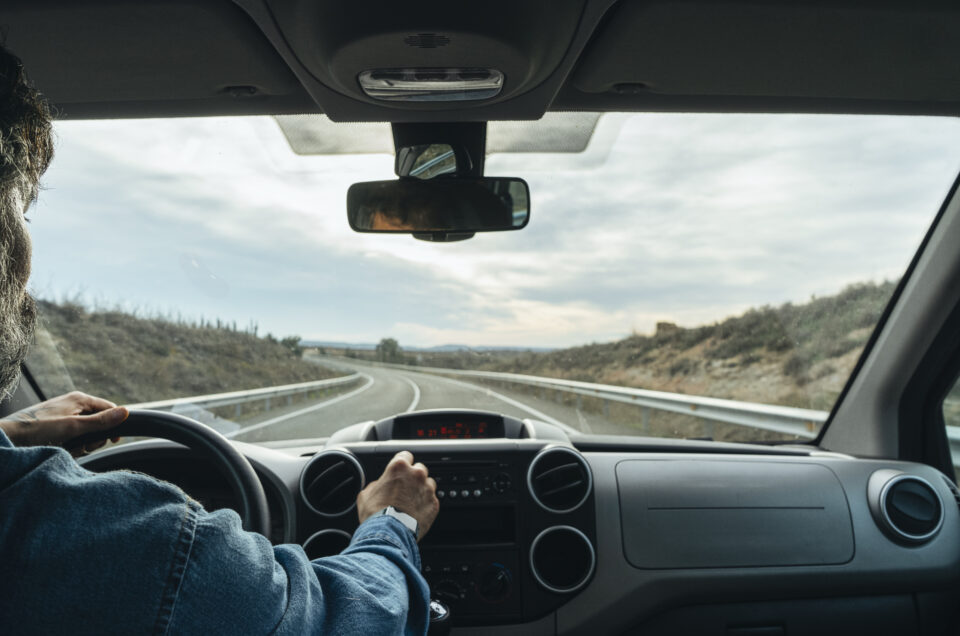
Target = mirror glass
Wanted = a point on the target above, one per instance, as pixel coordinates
(426, 161)
(445, 205)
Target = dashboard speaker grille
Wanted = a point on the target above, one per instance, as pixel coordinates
(427, 40)
(559, 479)
(330, 482)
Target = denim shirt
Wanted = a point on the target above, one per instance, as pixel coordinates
(123, 553)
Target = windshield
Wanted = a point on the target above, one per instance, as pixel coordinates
(668, 259)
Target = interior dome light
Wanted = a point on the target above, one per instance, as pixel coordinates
(431, 84)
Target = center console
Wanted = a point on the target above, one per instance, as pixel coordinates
(515, 536)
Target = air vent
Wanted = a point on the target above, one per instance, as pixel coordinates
(426, 40)
(330, 482)
(326, 543)
(906, 507)
(559, 479)
(562, 559)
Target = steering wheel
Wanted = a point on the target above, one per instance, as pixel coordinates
(203, 439)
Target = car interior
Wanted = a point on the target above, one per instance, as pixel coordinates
(543, 531)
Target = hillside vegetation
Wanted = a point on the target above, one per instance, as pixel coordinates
(794, 354)
(127, 359)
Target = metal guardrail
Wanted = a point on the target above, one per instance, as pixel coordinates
(804, 423)
(239, 398)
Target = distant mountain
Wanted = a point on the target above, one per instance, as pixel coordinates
(449, 348)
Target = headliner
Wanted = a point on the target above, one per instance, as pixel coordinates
(147, 58)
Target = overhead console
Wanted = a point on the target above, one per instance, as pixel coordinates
(377, 61)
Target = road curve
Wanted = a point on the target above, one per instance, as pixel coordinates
(384, 392)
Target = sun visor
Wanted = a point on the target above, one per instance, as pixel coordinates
(775, 49)
(555, 133)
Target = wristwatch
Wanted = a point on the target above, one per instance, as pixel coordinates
(403, 518)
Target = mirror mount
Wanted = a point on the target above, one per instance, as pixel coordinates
(443, 237)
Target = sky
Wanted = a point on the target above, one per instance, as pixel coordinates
(664, 217)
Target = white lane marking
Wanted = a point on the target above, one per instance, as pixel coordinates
(416, 394)
(309, 409)
(543, 417)
(584, 426)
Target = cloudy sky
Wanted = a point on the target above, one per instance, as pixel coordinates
(686, 218)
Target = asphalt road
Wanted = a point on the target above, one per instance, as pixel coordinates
(384, 392)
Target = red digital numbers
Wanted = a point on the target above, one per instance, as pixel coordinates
(456, 430)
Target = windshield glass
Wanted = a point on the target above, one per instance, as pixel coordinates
(684, 257)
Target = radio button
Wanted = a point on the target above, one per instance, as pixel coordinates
(502, 483)
(464, 493)
(453, 494)
(477, 493)
(441, 494)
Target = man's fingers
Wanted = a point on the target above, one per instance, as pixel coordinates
(421, 467)
(91, 404)
(105, 419)
(403, 457)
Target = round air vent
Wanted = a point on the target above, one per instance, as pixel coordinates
(326, 543)
(559, 479)
(562, 559)
(906, 507)
(330, 482)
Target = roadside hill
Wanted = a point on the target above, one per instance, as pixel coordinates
(793, 354)
(127, 359)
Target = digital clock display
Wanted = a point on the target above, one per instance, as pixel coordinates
(453, 430)
(466, 426)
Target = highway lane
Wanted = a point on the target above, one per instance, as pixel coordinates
(383, 392)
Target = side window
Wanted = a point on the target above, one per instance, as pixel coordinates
(951, 416)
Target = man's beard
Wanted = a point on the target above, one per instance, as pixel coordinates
(17, 327)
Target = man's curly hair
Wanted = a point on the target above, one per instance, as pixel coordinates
(26, 148)
(26, 136)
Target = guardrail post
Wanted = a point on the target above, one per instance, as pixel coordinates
(290, 400)
(579, 402)
(238, 410)
(266, 404)
(645, 419)
(708, 429)
(606, 408)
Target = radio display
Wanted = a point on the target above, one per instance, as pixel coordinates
(448, 426)
(473, 526)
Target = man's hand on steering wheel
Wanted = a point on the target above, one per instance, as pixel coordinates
(57, 421)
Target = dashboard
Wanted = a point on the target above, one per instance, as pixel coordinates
(539, 533)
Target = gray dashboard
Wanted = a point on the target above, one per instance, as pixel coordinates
(687, 537)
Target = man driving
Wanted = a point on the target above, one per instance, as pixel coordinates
(120, 552)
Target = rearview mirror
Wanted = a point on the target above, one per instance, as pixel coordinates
(439, 209)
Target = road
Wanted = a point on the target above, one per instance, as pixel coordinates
(384, 392)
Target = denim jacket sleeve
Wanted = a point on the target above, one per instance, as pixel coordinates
(122, 553)
(230, 581)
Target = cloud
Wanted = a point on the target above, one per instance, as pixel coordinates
(687, 218)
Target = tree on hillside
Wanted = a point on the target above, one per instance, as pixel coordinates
(389, 351)
(293, 344)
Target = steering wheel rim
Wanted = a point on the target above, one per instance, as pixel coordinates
(255, 513)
